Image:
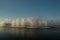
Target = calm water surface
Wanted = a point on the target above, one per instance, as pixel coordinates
(33, 33)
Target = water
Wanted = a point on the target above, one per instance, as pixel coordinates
(29, 33)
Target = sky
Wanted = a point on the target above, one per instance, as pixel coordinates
(47, 9)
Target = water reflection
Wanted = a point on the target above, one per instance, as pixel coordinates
(21, 31)
(29, 31)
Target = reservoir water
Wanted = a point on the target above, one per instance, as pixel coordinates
(29, 33)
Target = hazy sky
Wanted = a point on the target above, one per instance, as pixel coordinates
(26, 8)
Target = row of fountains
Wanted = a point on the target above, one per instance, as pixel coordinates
(29, 23)
(24, 22)
(19, 26)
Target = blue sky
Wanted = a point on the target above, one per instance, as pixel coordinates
(47, 9)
